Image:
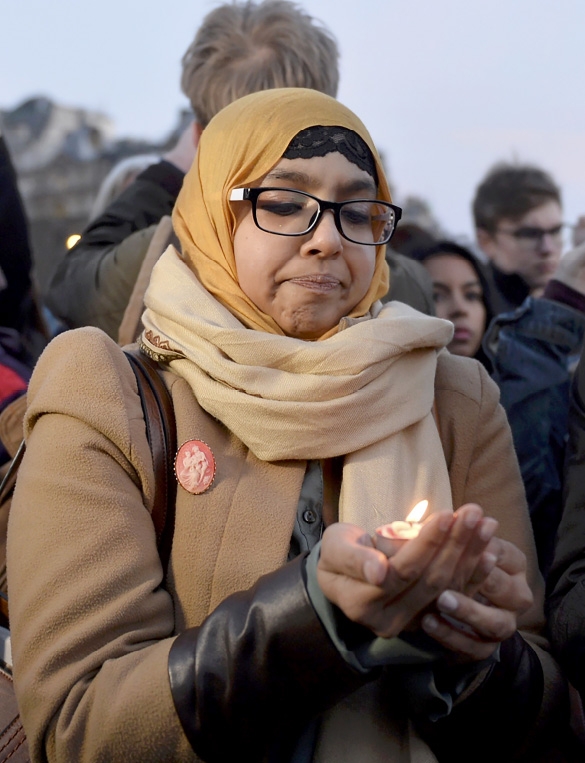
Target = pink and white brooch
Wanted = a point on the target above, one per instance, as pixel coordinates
(195, 466)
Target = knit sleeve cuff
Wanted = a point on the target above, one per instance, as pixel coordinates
(561, 292)
(416, 658)
(358, 645)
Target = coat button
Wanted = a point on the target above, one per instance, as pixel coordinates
(309, 516)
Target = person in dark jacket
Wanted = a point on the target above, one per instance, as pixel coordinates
(15, 253)
(19, 308)
(566, 580)
(533, 351)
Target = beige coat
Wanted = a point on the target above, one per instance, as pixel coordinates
(91, 627)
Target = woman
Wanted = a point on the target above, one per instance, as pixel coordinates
(310, 404)
(461, 295)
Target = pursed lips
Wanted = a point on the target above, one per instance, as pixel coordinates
(316, 282)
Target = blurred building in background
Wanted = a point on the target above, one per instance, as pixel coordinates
(61, 155)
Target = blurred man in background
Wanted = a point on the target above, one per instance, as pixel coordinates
(519, 227)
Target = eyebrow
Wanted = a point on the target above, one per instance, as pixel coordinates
(308, 181)
(466, 285)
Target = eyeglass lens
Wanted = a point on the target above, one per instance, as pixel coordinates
(290, 213)
(533, 237)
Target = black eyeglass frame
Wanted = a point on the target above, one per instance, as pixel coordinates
(533, 232)
(251, 195)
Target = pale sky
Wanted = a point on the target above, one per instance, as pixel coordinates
(446, 87)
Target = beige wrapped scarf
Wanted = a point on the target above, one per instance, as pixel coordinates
(365, 391)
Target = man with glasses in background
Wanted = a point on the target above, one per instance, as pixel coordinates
(519, 227)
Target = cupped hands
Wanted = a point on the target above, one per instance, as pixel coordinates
(461, 584)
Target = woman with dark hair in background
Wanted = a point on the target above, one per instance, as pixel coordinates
(460, 291)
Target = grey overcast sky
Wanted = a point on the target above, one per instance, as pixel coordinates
(446, 87)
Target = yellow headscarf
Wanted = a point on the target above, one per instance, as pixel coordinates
(238, 147)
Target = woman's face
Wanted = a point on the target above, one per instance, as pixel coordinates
(306, 283)
(458, 296)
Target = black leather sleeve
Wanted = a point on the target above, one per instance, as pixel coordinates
(497, 719)
(257, 671)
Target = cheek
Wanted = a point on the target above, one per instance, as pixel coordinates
(243, 267)
(510, 254)
(247, 272)
(261, 260)
(249, 256)
(364, 268)
(479, 316)
(442, 310)
(528, 260)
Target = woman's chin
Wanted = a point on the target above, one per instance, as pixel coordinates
(307, 325)
(307, 333)
(466, 349)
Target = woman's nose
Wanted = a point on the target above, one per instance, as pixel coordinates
(458, 305)
(324, 240)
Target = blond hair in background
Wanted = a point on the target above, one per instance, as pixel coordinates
(244, 47)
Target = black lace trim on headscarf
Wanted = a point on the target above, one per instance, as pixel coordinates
(319, 141)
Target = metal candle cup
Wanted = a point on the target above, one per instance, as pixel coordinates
(389, 538)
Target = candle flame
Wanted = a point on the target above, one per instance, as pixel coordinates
(418, 512)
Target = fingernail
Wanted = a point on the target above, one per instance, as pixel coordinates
(374, 571)
(488, 529)
(471, 520)
(366, 540)
(490, 560)
(430, 623)
(447, 602)
(445, 522)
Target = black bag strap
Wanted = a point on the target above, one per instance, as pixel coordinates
(9, 479)
(161, 433)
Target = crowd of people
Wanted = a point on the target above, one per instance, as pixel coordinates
(326, 376)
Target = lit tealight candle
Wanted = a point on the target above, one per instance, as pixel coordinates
(388, 538)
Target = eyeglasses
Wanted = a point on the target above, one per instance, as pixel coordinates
(287, 212)
(532, 237)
